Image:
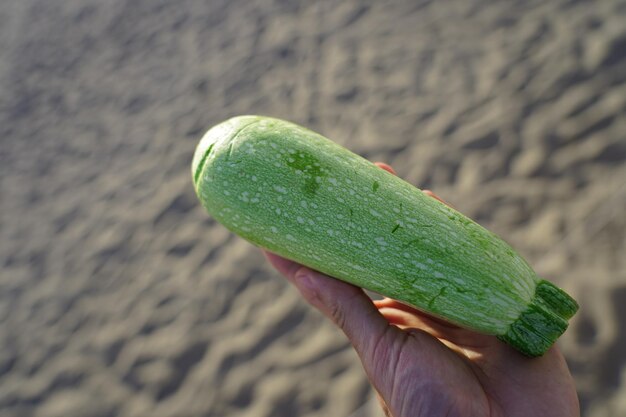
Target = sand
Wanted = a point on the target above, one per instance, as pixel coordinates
(119, 296)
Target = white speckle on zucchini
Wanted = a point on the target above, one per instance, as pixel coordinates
(374, 213)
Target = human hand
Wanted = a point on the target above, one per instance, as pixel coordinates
(423, 366)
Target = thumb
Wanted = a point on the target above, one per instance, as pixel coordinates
(346, 305)
(391, 357)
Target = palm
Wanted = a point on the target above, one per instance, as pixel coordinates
(441, 369)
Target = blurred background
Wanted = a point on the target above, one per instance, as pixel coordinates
(119, 296)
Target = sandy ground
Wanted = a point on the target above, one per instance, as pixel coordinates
(119, 296)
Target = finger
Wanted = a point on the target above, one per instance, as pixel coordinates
(286, 267)
(383, 405)
(407, 321)
(406, 317)
(393, 304)
(436, 197)
(452, 338)
(402, 318)
(346, 305)
(429, 193)
(385, 167)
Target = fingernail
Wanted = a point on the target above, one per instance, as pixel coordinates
(304, 278)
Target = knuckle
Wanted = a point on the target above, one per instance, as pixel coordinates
(336, 313)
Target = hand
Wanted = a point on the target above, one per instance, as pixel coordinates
(423, 366)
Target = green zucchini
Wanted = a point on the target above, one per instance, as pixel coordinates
(292, 191)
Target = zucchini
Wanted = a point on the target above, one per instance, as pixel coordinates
(295, 193)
